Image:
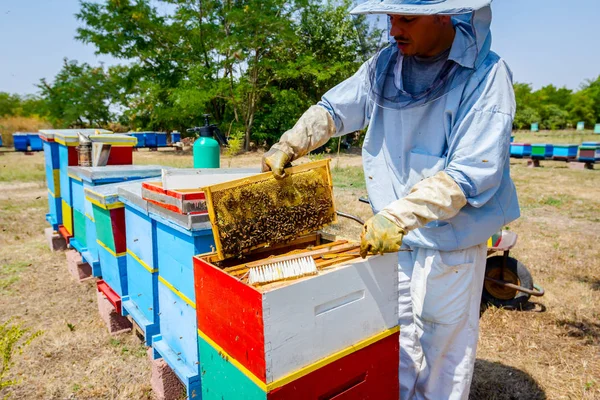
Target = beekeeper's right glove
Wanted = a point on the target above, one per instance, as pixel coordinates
(380, 235)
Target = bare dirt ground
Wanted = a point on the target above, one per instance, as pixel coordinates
(550, 352)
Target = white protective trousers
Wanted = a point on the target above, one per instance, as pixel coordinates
(439, 298)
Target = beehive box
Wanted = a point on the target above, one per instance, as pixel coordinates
(301, 338)
(141, 138)
(83, 179)
(179, 237)
(67, 141)
(587, 154)
(520, 150)
(52, 168)
(150, 138)
(20, 141)
(597, 147)
(181, 190)
(161, 139)
(109, 223)
(296, 338)
(175, 137)
(564, 151)
(141, 303)
(176, 243)
(35, 142)
(541, 151)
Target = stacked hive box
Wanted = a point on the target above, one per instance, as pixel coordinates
(54, 216)
(564, 152)
(87, 178)
(182, 231)
(541, 151)
(331, 334)
(110, 234)
(141, 302)
(67, 141)
(175, 137)
(520, 150)
(120, 154)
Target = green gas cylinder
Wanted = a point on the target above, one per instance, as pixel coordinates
(207, 150)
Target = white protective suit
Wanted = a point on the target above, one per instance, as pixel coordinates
(437, 165)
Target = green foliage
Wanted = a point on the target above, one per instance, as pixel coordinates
(555, 108)
(13, 338)
(79, 96)
(255, 65)
(21, 106)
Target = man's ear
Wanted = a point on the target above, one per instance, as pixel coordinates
(443, 19)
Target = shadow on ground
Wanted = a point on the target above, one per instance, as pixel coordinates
(496, 381)
(593, 282)
(586, 330)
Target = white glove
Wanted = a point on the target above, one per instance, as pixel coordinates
(436, 198)
(314, 128)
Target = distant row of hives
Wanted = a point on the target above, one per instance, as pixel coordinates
(587, 152)
(31, 141)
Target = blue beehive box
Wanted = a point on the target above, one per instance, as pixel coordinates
(20, 141)
(520, 150)
(54, 216)
(178, 242)
(175, 137)
(85, 239)
(67, 141)
(110, 236)
(1, 141)
(141, 138)
(565, 151)
(150, 138)
(35, 142)
(141, 302)
(161, 139)
(179, 237)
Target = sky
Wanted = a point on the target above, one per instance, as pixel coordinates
(544, 41)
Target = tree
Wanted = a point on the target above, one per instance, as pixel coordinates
(79, 96)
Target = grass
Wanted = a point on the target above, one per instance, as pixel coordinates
(556, 137)
(549, 352)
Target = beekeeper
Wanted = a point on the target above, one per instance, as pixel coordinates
(439, 107)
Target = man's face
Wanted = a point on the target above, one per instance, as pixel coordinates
(420, 35)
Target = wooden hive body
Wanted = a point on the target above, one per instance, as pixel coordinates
(87, 179)
(520, 149)
(564, 151)
(282, 328)
(52, 169)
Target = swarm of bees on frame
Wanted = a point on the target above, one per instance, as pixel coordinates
(272, 211)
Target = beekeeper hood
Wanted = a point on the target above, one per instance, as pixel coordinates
(471, 19)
